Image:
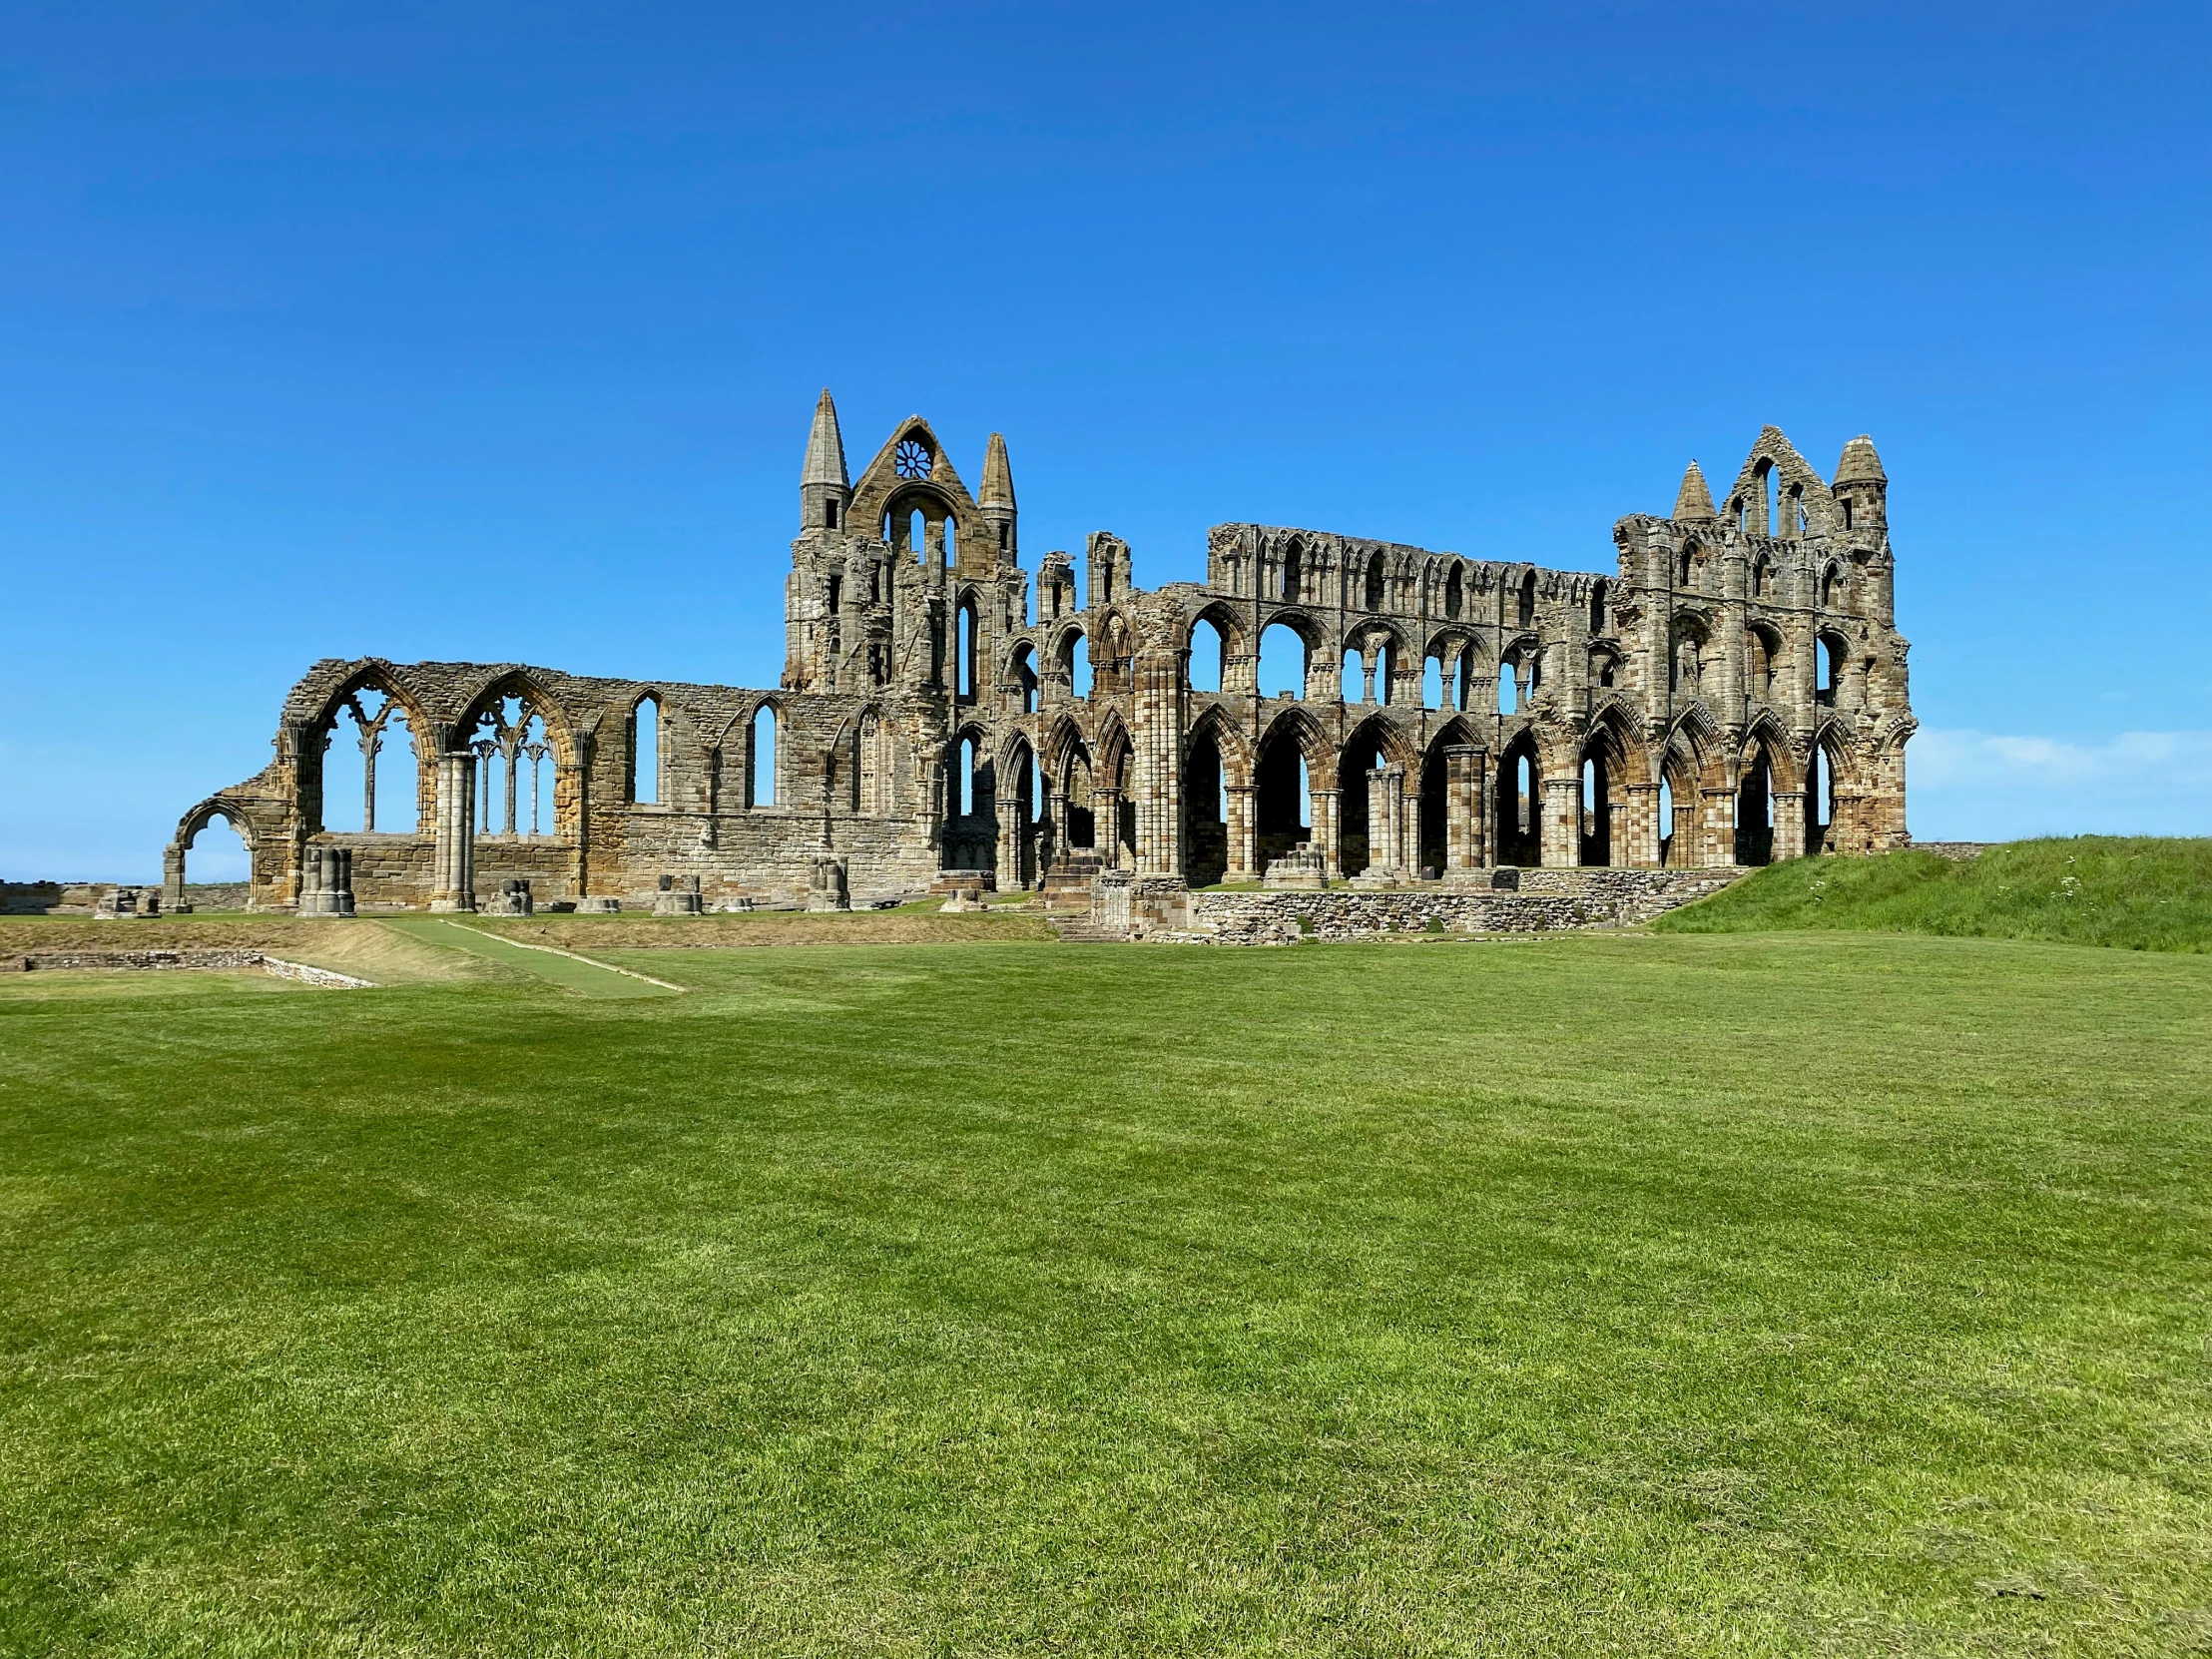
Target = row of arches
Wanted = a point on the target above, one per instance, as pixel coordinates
(1697, 569)
(371, 768)
(1375, 581)
(1604, 802)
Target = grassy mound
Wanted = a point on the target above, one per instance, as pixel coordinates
(2135, 893)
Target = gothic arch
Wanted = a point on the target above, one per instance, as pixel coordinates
(533, 694)
(1227, 736)
(1298, 725)
(1391, 740)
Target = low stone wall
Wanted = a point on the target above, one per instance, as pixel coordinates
(37, 961)
(1548, 900)
(1957, 851)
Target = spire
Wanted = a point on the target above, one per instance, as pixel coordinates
(1694, 500)
(998, 478)
(824, 447)
(997, 503)
(1860, 465)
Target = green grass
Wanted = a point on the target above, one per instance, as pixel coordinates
(1614, 1295)
(2139, 893)
(583, 976)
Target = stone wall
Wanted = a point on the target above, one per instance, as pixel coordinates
(1547, 901)
(181, 960)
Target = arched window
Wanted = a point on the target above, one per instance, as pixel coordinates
(1281, 662)
(869, 770)
(1828, 668)
(951, 542)
(1354, 684)
(1465, 679)
(514, 763)
(966, 646)
(964, 798)
(1597, 607)
(1686, 670)
(1456, 593)
(1293, 573)
(1079, 666)
(1766, 496)
(760, 759)
(1508, 684)
(1831, 588)
(1025, 676)
(1792, 511)
(1385, 670)
(1433, 682)
(1208, 658)
(1527, 607)
(645, 752)
(1686, 576)
(1759, 664)
(1761, 574)
(369, 773)
(1376, 583)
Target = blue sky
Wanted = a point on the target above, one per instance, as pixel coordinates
(493, 333)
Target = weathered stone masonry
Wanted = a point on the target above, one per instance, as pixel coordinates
(1733, 691)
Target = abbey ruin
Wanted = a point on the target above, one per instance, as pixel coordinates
(1732, 692)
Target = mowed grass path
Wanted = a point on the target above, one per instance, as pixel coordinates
(1604, 1295)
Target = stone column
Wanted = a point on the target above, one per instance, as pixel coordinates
(1381, 848)
(1789, 825)
(1106, 826)
(1329, 832)
(1718, 835)
(1156, 676)
(1056, 816)
(1562, 826)
(1387, 822)
(172, 879)
(1616, 833)
(453, 857)
(1467, 789)
(1243, 850)
(1009, 841)
(1641, 828)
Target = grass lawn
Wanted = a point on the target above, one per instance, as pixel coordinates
(1629, 1295)
(2132, 892)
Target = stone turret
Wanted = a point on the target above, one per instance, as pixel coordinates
(824, 491)
(996, 502)
(1694, 502)
(1861, 486)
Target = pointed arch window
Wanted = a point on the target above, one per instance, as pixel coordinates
(1526, 610)
(760, 758)
(965, 669)
(1378, 584)
(645, 752)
